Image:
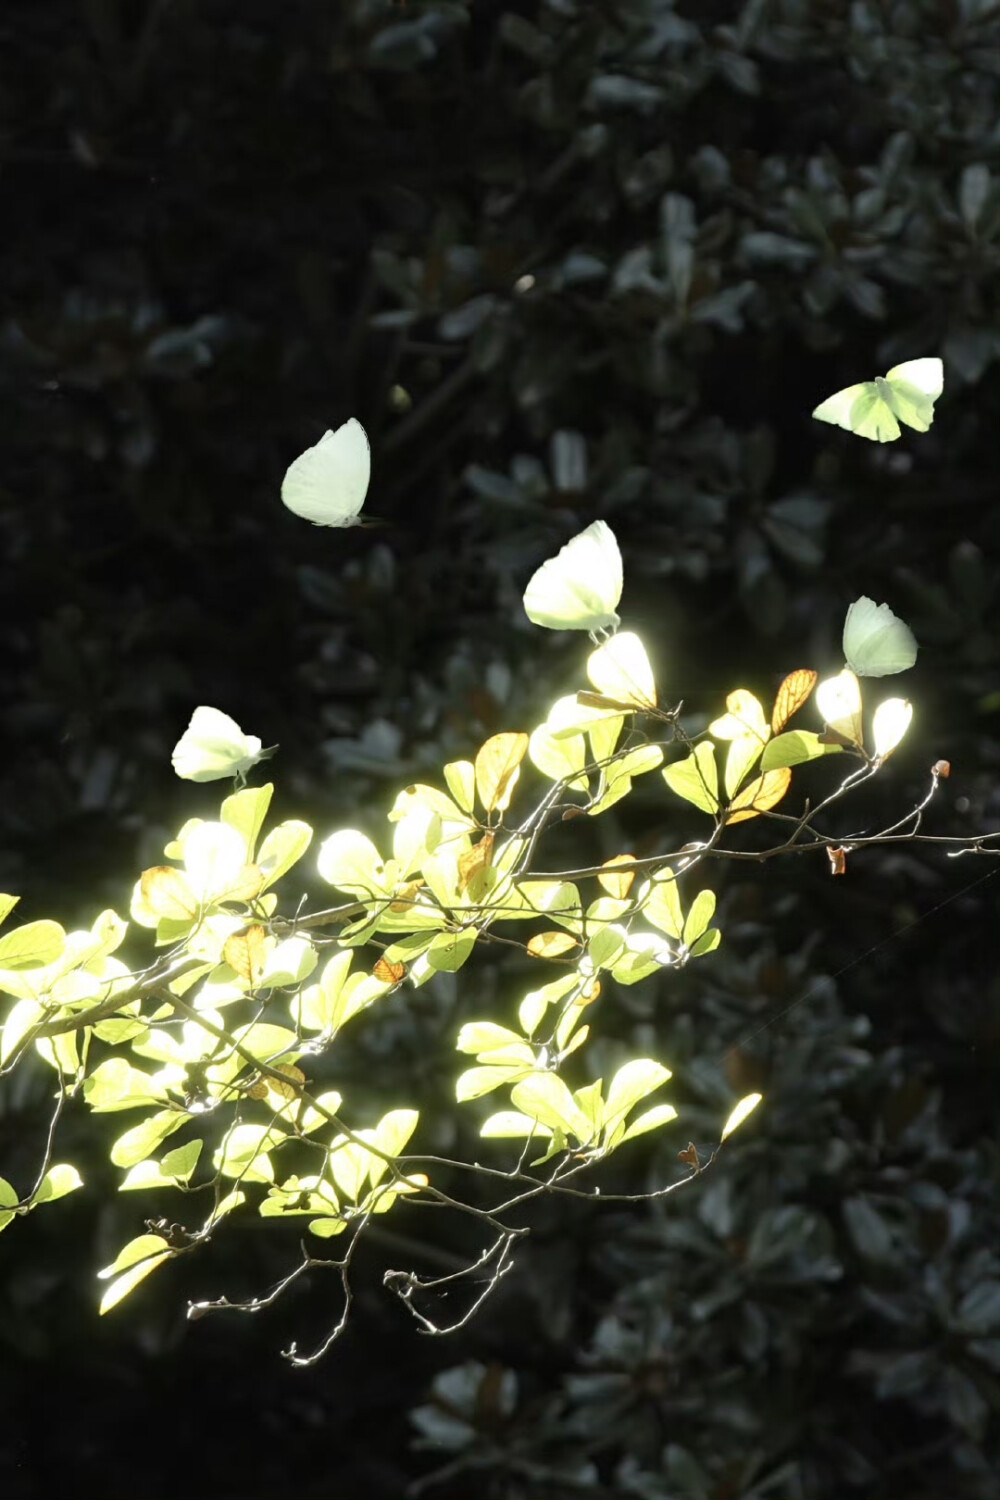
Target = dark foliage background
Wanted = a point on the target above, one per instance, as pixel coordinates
(563, 260)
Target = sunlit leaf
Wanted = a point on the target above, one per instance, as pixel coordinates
(545, 1098)
(460, 776)
(631, 1083)
(289, 962)
(536, 1002)
(139, 1257)
(477, 859)
(696, 778)
(889, 724)
(497, 768)
(391, 1135)
(245, 811)
(792, 694)
(551, 944)
(620, 670)
(167, 893)
(283, 848)
(662, 907)
(509, 1123)
(560, 756)
(760, 795)
(617, 884)
(449, 950)
(350, 861)
(36, 943)
(246, 953)
(475, 1082)
(115, 1084)
(650, 1119)
(744, 716)
(699, 916)
(244, 1153)
(142, 1140)
(8, 1203)
(839, 701)
(57, 1182)
(793, 749)
(746, 1107)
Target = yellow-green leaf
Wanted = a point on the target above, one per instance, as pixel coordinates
(794, 748)
(33, 945)
(746, 1107)
(696, 778)
(139, 1257)
(497, 768)
(57, 1182)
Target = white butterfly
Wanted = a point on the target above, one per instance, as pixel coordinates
(579, 589)
(871, 409)
(876, 642)
(214, 746)
(327, 484)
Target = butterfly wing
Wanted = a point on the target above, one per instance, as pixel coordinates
(327, 484)
(876, 642)
(579, 589)
(860, 409)
(213, 746)
(912, 390)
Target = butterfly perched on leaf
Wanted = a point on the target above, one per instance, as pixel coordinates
(875, 408)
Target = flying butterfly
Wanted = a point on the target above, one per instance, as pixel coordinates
(580, 587)
(875, 408)
(214, 746)
(876, 642)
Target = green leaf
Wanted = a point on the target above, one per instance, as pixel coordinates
(546, 1099)
(245, 811)
(605, 946)
(139, 1257)
(869, 1232)
(475, 1082)
(560, 758)
(391, 1135)
(460, 776)
(350, 861)
(507, 1122)
(698, 918)
(696, 778)
(244, 1152)
(448, 951)
(181, 1162)
(142, 1140)
(536, 1002)
(57, 1182)
(662, 907)
(290, 962)
(9, 1200)
(283, 848)
(707, 943)
(115, 1085)
(486, 1037)
(741, 1112)
(32, 946)
(650, 1119)
(794, 748)
(631, 1083)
